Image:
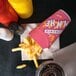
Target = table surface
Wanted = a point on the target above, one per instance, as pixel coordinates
(42, 10)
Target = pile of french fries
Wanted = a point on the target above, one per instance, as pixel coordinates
(31, 48)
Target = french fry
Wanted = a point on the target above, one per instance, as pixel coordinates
(35, 61)
(26, 41)
(31, 48)
(16, 49)
(21, 66)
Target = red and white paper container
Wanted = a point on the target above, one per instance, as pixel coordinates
(50, 29)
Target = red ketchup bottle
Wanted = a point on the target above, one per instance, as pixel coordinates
(7, 13)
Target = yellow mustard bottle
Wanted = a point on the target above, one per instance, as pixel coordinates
(24, 8)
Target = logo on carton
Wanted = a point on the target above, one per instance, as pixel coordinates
(54, 26)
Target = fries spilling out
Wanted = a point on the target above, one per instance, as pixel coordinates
(31, 48)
